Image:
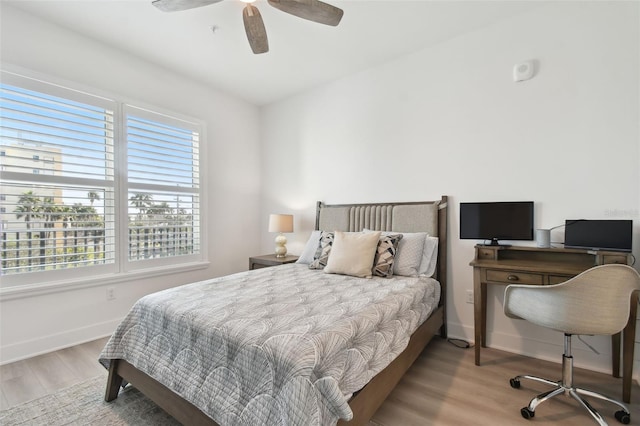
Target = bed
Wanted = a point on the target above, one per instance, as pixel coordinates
(283, 369)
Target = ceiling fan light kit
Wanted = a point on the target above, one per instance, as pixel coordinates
(311, 10)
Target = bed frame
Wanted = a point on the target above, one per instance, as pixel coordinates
(427, 216)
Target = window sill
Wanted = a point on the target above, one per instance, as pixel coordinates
(30, 290)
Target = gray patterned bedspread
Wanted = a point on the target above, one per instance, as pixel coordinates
(275, 346)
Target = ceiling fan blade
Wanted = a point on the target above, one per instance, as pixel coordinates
(254, 27)
(312, 10)
(176, 5)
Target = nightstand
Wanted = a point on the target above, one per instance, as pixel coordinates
(268, 260)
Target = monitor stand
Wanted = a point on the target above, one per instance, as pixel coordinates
(496, 243)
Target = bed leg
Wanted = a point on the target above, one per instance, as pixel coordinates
(114, 381)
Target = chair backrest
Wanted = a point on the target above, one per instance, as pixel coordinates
(595, 302)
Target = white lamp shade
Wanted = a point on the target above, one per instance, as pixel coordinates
(280, 223)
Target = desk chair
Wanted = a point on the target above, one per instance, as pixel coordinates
(596, 302)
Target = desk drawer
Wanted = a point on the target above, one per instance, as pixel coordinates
(486, 254)
(557, 279)
(514, 277)
(614, 258)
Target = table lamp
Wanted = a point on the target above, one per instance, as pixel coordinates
(281, 223)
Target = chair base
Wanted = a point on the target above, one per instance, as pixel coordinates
(560, 388)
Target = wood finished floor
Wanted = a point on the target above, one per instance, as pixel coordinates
(443, 387)
(32, 378)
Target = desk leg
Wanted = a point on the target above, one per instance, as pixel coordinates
(479, 315)
(477, 320)
(629, 335)
(483, 307)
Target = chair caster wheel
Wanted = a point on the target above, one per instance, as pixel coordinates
(623, 417)
(515, 383)
(526, 413)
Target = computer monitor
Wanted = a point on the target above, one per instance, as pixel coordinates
(613, 235)
(495, 221)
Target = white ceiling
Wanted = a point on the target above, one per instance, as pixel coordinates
(302, 54)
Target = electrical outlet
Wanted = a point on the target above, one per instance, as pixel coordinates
(470, 296)
(111, 293)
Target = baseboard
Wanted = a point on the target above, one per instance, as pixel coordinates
(45, 344)
(550, 351)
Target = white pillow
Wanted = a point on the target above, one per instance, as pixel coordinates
(352, 253)
(429, 256)
(417, 254)
(306, 257)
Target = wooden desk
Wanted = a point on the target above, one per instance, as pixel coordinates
(500, 265)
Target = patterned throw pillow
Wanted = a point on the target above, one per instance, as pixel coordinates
(323, 251)
(385, 255)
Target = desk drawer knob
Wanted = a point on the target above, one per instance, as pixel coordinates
(512, 278)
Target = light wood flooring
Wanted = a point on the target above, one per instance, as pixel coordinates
(32, 378)
(443, 387)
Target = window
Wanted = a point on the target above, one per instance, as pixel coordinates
(162, 187)
(119, 190)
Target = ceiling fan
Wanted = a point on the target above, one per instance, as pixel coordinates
(312, 10)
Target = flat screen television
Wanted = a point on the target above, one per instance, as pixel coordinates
(495, 221)
(608, 234)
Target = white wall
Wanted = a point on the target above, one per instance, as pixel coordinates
(42, 323)
(450, 120)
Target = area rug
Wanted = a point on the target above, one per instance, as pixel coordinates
(83, 404)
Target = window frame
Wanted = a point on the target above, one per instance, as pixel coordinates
(31, 283)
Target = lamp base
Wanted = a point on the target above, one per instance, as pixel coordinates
(281, 248)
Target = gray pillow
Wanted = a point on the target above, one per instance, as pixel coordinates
(310, 248)
(409, 255)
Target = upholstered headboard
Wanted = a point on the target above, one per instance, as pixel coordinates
(422, 216)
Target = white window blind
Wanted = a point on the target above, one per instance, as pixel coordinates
(57, 179)
(163, 186)
(95, 183)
